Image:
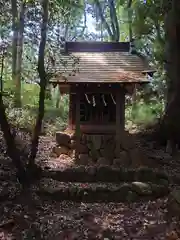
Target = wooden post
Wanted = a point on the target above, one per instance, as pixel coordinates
(78, 135)
(118, 122)
(120, 118)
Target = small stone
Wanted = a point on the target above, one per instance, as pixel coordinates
(142, 188)
(65, 158)
(60, 150)
(63, 139)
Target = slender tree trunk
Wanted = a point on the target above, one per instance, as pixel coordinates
(14, 39)
(113, 30)
(17, 49)
(17, 97)
(43, 84)
(12, 150)
(114, 21)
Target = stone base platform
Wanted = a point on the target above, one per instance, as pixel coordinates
(106, 174)
(99, 149)
(101, 192)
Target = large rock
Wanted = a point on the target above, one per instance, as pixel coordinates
(71, 133)
(63, 139)
(60, 150)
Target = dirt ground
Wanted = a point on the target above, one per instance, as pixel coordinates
(27, 216)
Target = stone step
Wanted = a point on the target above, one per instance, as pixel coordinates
(101, 192)
(106, 174)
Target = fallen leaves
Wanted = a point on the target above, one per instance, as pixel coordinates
(46, 219)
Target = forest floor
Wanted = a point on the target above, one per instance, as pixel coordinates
(25, 215)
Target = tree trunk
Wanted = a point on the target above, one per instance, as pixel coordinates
(17, 49)
(12, 150)
(43, 84)
(15, 38)
(113, 31)
(170, 125)
(26, 173)
(17, 96)
(114, 21)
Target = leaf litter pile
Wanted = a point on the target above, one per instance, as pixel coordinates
(24, 215)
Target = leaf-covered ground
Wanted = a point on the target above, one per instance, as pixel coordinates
(45, 219)
(28, 216)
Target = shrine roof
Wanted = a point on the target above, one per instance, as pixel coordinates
(100, 62)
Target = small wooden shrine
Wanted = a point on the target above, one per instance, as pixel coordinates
(97, 76)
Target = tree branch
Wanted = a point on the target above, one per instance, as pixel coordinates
(103, 19)
(114, 20)
(43, 83)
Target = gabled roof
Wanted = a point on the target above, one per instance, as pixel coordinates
(100, 62)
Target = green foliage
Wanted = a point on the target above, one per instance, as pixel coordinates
(24, 118)
(142, 114)
(69, 19)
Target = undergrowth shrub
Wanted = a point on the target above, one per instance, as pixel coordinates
(55, 118)
(142, 114)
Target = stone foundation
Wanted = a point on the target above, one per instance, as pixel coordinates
(98, 149)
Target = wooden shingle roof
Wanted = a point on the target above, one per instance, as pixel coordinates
(110, 62)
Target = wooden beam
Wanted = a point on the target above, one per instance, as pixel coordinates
(77, 130)
(96, 88)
